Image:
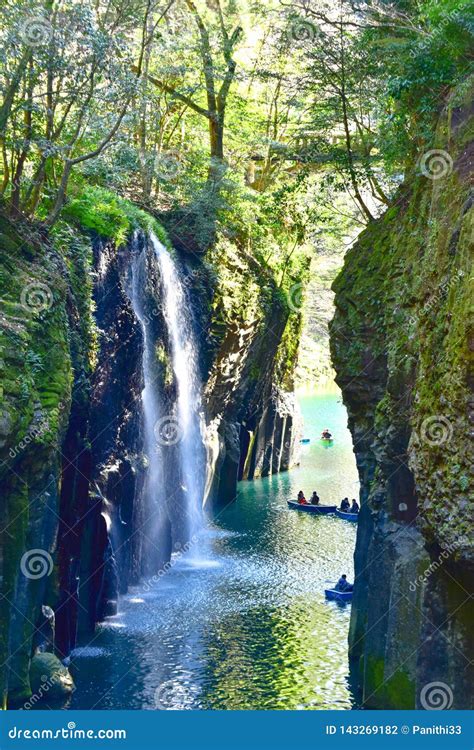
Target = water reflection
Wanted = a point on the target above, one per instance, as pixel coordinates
(247, 627)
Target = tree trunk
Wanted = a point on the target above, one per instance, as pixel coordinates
(216, 138)
(28, 126)
(11, 91)
(61, 194)
(7, 105)
(216, 132)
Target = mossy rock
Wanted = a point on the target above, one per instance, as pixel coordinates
(48, 676)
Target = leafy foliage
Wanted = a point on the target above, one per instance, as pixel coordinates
(233, 111)
(109, 215)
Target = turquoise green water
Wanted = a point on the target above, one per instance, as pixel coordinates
(247, 627)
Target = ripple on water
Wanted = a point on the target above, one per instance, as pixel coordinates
(250, 628)
(88, 652)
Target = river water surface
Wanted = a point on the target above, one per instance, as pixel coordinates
(246, 626)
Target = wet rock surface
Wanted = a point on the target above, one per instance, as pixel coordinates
(402, 352)
(71, 426)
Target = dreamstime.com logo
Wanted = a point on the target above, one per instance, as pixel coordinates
(168, 431)
(36, 31)
(436, 164)
(167, 165)
(34, 433)
(436, 696)
(46, 684)
(36, 297)
(301, 30)
(169, 565)
(36, 563)
(67, 733)
(159, 308)
(295, 297)
(173, 696)
(438, 296)
(436, 430)
(433, 566)
(454, 16)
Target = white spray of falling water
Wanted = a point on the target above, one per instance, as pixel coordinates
(185, 427)
(150, 400)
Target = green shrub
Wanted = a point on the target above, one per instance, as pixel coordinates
(109, 215)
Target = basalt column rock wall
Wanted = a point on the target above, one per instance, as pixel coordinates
(249, 342)
(98, 551)
(402, 342)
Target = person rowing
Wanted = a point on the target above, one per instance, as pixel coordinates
(345, 505)
(301, 498)
(326, 435)
(343, 584)
(314, 498)
(355, 506)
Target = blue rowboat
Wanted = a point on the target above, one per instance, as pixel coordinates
(354, 517)
(318, 509)
(338, 596)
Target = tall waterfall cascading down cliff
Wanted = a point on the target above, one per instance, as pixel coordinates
(172, 437)
(152, 491)
(183, 428)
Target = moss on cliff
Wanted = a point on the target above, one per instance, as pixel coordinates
(36, 394)
(50, 348)
(402, 346)
(98, 209)
(393, 691)
(246, 296)
(406, 285)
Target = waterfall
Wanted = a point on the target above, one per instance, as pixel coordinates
(153, 490)
(183, 427)
(172, 414)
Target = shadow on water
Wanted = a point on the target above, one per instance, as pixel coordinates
(246, 626)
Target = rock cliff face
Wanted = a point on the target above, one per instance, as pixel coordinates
(42, 323)
(251, 346)
(402, 343)
(71, 438)
(101, 476)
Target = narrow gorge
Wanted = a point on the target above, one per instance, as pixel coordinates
(189, 371)
(236, 347)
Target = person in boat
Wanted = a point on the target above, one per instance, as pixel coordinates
(345, 505)
(314, 498)
(301, 498)
(355, 506)
(326, 435)
(343, 584)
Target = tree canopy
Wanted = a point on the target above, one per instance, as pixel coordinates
(265, 113)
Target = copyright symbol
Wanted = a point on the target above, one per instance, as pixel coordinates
(405, 729)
